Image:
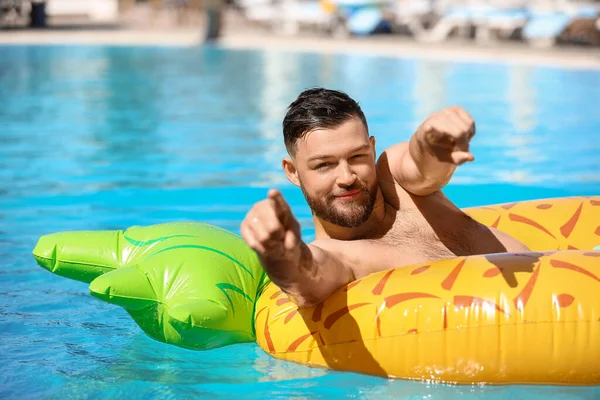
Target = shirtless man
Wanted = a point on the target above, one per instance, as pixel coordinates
(369, 215)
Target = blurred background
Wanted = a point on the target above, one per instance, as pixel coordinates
(540, 23)
(120, 113)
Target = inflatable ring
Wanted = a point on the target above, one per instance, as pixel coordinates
(500, 318)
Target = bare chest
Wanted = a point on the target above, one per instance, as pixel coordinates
(413, 239)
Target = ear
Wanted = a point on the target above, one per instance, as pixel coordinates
(290, 171)
(372, 140)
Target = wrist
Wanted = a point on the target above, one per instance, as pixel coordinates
(284, 265)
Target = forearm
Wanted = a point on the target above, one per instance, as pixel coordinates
(308, 277)
(439, 145)
(307, 273)
(418, 169)
(433, 167)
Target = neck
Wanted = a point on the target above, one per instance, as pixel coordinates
(327, 230)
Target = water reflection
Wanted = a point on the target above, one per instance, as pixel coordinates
(430, 90)
(105, 138)
(88, 119)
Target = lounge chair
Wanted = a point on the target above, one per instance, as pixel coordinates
(295, 14)
(286, 16)
(485, 17)
(360, 17)
(548, 23)
(500, 21)
(412, 15)
(453, 17)
(258, 11)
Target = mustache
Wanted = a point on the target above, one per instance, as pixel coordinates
(362, 188)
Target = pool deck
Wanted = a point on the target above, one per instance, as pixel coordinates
(572, 57)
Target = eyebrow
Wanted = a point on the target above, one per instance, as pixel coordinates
(325, 156)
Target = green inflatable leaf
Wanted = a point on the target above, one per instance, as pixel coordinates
(193, 285)
(82, 256)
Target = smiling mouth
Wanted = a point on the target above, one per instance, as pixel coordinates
(352, 194)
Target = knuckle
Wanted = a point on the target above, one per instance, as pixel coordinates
(244, 225)
(273, 228)
(262, 236)
(265, 202)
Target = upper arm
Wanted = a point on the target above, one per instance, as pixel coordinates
(511, 244)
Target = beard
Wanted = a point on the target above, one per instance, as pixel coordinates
(351, 214)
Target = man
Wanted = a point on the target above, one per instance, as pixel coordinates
(369, 216)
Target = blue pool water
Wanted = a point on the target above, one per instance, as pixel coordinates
(107, 137)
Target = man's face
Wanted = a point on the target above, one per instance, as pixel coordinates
(336, 172)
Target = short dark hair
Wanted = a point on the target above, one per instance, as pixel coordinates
(318, 108)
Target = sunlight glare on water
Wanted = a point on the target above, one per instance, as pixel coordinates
(108, 137)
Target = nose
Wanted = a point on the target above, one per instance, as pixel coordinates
(346, 176)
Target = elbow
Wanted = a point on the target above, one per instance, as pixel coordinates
(419, 184)
(517, 247)
(314, 295)
(421, 192)
(305, 300)
(304, 303)
(305, 297)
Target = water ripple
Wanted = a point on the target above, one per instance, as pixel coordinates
(106, 137)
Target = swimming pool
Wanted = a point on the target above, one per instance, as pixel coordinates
(108, 137)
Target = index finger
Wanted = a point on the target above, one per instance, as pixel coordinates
(282, 209)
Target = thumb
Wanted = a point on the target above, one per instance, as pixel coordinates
(291, 239)
(461, 157)
(282, 209)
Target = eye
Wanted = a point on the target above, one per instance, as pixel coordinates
(358, 156)
(322, 166)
